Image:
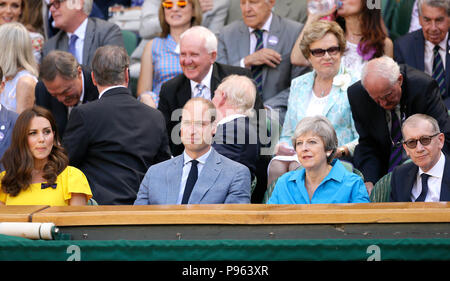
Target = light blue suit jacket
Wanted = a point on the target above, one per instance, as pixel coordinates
(220, 181)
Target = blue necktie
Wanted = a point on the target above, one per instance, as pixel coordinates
(199, 88)
(438, 71)
(424, 192)
(190, 182)
(72, 48)
(257, 69)
(396, 135)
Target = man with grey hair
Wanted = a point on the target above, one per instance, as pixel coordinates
(200, 78)
(428, 49)
(427, 177)
(387, 94)
(115, 139)
(236, 137)
(80, 34)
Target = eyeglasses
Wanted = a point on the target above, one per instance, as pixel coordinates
(424, 140)
(321, 52)
(169, 4)
(56, 4)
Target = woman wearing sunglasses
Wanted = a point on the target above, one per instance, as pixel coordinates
(320, 92)
(160, 59)
(365, 34)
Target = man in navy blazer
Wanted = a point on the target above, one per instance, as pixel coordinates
(427, 177)
(416, 48)
(236, 136)
(199, 175)
(64, 83)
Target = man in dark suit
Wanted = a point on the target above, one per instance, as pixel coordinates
(79, 34)
(427, 177)
(63, 84)
(420, 48)
(115, 139)
(386, 95)
(200, 78)
(236, 137)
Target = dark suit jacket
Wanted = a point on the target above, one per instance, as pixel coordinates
(113, 141)
(238, 141)
(410, 49)
(59, 110)
(98, 33)
(177, 91)
(420, 94)
(404, 176)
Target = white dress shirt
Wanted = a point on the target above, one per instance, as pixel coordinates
(79, 44)
(429, 54)
(206, 93)
(434, 182)
(187, 168)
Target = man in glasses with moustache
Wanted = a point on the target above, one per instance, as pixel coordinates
(427, 177)
(387, 94)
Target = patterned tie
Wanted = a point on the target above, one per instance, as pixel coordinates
(257, 69)
(190, 182)
(396, 135)
(423, 193)
(438, 70)
(199, 88)
(72, 48)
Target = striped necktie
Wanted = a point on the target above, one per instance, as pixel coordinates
(257, 69)
(199, 88)
(396, 135)
(438, 70)
(72, 48)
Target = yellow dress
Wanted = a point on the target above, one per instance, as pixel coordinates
(71, 180)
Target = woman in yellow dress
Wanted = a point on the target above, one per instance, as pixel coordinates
(36, 165)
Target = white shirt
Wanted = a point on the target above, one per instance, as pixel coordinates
(206, 93)
(434, 182)
(187, 168)
(230, 118)
(109, 88)
(316, 105)
(79, 44)
(429, 54)
(414, 23)
(253, 40)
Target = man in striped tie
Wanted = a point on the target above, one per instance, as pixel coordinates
(387, 94)
(428, 48)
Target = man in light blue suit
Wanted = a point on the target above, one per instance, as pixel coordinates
(200, 175)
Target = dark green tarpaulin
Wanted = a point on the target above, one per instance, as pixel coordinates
(21, 249)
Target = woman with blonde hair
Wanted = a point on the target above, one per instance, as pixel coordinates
(19, 67)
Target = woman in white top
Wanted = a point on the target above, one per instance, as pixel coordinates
(19, 67)
(320, 92)
(365, 34)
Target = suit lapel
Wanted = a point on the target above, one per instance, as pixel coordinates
(447, 64)
(184, 93)
(409, 182)
(215, 79)
(88, 39)
(445, 185)
(244, 41)
(207, 177)
(274, 33)
(173, 179)
(419, 50)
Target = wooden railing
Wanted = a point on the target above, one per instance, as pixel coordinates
(251, 214)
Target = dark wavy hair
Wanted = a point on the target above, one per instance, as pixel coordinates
(18, 160)
(372, 29)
